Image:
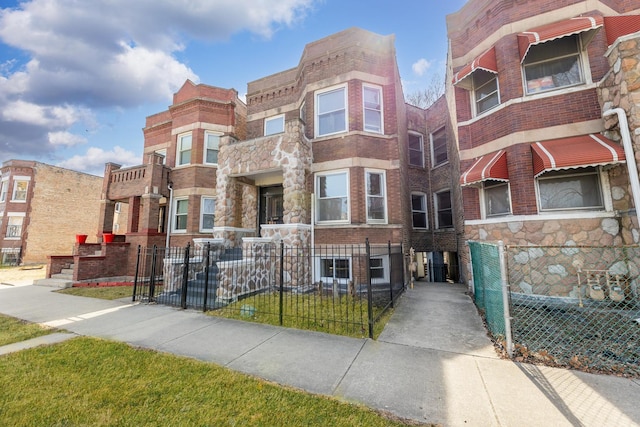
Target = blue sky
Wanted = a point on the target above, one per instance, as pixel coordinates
(78, 78)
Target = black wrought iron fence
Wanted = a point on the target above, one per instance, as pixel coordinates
(334, 288)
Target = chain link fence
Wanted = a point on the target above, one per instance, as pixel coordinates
(574, 306)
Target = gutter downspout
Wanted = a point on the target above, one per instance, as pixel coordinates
(629, 154)
(169, 214)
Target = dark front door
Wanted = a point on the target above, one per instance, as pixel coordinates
(271, 209)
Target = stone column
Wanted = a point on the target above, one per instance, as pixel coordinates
(149, 215)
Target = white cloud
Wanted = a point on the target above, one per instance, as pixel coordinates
(66, 138)
(94, 159)
(421, 66)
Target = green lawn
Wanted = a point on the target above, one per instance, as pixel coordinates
(106, 292)
(14, 330)
(87, 381)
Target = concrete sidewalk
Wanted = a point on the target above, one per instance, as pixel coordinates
(433, 362)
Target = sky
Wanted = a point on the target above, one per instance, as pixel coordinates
(78, 78)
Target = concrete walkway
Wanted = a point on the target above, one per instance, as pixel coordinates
(433, 362)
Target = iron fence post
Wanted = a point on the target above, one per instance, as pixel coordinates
(185, 277)
(152, 283)
(206, 277)
(135, 278)
(369, 289)
(505, 297)
(281, 280)
(390, 271)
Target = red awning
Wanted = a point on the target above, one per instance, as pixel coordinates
(618, 26)
(557, 30)
(490, 166)
(486, 61)
(575, 152)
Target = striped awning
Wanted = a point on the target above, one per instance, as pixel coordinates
(618, 26)
(557, 30)
(486, 61)
(575, 152)
(490, 166)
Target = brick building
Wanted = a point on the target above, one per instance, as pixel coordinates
(326, 153)
(39, 210)
(533, 85)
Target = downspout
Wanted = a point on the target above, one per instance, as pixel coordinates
(629, 154)
(169, 213)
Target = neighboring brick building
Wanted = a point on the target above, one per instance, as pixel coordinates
(42, 208)
(531, 81)
(320, 154)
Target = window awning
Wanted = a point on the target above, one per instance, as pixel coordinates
(486, 61)
(618, 26)
(556, 30)
(490, 166)
(575, 152)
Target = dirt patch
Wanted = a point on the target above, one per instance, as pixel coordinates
(22, 275)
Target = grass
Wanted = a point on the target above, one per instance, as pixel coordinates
(15, 330)
(86, 381)
(341, 316)
(106, 292)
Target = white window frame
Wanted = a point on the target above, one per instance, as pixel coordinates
(383, 196)
(423, 196)
(318, 94)
(11, 215)
(318, 198)
(16, 180)
(436, 210)
(484, 199)
(175, 214)
(4, 188)
(179, 150)
(433, 156)
(474, 92)
(272, 121)
(385, 269)
(410, 150)
(118, 207)
(203, 213)
(380, 127)
(603, 185)
(207, 134)
(330, 279)
(581, 61)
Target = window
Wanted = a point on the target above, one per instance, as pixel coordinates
(496, 198)
(14, 226)
(376, 197)
(180, 215)
(335, 269)
(273, 125)
(372, 107)
(379, 269)
(10, 256)
(416, 150)
(485, 90)
(303, 112)
(211, 147)
(444, 218)
(553, 65)
(118, 207)
(561, 190)
(439, 153)
(20, 190)
(419, 210)
(4, 186)
(333, 197)
(207, 213)
(184, 150)
(331, 111)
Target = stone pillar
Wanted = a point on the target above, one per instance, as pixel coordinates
(149, 215)
(134, 214)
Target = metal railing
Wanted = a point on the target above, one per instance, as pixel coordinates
(333, 288)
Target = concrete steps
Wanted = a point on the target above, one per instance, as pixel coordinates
(62, 280)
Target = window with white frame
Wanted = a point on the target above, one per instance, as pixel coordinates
(485, 90)
(496, 198)
(372, 107)
(443, 209)
(338, 269)
(553, 64)
(332, 190)
(180, 211)
(376, 196)
(118, 207)
(273, 125)
(419, 210)
(207, 213)
(183, 154)
(4, 186)
(416, 149)
(379, 269)
(211, 147)
(10, 256)
(331, 111)
(570, 189)
(20, 187)
(439, 154)
(14, 226)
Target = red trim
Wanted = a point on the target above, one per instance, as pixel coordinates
(575, 152)
(618, 26)
(486, 61)
(490, 166)
(557, 30)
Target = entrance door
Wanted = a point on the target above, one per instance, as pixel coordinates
(271, 205)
